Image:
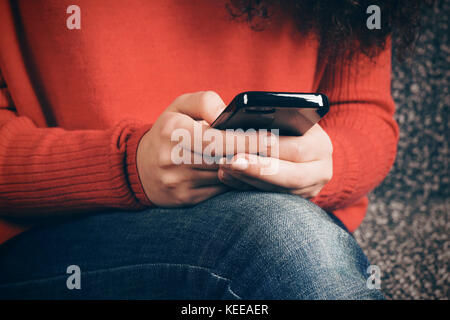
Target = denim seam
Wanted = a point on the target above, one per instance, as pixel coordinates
(4, 285)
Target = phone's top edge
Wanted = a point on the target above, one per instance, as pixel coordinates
(279, 92)
(263, 98)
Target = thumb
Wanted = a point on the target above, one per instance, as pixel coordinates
(203, 105)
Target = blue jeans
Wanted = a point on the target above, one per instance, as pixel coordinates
(239, 245)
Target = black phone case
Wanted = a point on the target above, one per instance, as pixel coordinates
(292, 113)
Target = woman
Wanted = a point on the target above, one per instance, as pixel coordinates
(86, 177)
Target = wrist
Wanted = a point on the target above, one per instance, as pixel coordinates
(132, 165)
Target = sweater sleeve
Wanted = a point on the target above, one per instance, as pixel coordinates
(361, 127)
(49, 171)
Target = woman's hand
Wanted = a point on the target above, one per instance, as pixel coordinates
(165, 182)
(303, 166)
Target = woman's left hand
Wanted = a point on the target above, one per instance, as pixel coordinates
(303, 165)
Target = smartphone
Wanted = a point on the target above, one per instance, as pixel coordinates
(292, 113)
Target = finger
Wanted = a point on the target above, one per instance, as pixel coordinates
(204, 166)
(278, 172)
(232, 182)
(313, 145)
(309, 192)
(296, 149)
(204, 105)
(212, 143)
(200, 162)
(255, 183)
(223, 143)
(198, 137)
(201, 178)
(201, 194)
(306, 192)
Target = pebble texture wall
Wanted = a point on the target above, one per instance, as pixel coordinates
(406, 231)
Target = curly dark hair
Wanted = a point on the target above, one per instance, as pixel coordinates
(340, 24)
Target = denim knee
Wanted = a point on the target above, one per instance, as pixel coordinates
(291, 248)
(281, 216)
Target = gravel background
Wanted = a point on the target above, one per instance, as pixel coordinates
(406, 231)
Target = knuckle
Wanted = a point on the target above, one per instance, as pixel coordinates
(210, 95)
(170, 125)
(167, 126)
(208, 98)
(163, 159)
(183, 197)
(180, 98)
(210, 104)
(193, 200)
(170, 181)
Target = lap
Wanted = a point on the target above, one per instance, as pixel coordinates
(217, 238)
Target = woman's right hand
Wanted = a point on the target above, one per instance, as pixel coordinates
(168, 184)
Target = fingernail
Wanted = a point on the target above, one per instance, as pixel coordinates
(240, 164)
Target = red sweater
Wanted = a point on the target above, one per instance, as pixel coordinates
(74, 103)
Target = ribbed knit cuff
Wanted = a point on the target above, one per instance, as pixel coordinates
(340, 188)
(132, 171)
